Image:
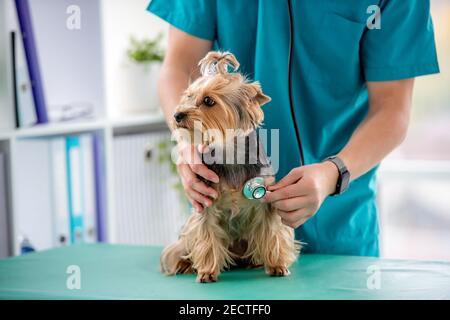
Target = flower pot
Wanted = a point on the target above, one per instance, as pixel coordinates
(140, 92)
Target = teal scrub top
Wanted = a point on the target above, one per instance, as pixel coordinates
(335, 54)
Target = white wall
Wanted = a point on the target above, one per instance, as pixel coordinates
(121, 19)
(70, 60)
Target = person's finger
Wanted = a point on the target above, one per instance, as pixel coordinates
(293, 216)
(291, 204)
(186, 174)
(291, 191)
(202, 188)
(190, 180)
(291, 178)
(191, 157)
(197, 205)
(294, 219)
(188, 155)
(197, 159)
(204, 201)
(202, 148)
(289, 216)
(287, 223)
(293, 224)
(204, 172)
(199, 168)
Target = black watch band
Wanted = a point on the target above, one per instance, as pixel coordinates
(344, 175)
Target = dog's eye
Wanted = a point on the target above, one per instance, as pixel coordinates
(208, 101)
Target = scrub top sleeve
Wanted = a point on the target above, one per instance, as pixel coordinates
(196, 17)
(404, 47)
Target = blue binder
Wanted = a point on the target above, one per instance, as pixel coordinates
(75, 188)
(100, 188)
(26, 27)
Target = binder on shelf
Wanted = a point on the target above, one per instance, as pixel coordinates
(147, 207)
(24, 108)
(88, 188)
(60, 198)
(75, 188)
(26, 27)
(100, 188)
(12, 38)
(4, 221)
(33, 214)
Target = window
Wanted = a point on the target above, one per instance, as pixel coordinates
(414, 180)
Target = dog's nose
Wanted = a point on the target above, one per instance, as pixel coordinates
(179, 116)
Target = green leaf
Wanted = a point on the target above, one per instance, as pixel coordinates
(146, 51)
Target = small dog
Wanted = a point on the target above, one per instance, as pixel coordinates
(235, 230)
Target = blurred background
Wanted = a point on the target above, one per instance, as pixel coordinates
(85, 152)
(414, 197)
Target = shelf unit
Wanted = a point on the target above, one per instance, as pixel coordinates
(10, 142)
(140, 122)
(100, 50)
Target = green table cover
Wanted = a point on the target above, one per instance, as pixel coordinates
(131, 272)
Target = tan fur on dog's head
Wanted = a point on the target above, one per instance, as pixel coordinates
(220, 99)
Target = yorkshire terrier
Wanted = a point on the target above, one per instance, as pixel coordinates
(235, 230)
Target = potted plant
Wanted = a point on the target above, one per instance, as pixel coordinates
(144, 59)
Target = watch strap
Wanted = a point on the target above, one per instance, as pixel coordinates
(344, 175)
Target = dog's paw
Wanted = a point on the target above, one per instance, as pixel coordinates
(280, 271)
(184, 266)
(204, 277)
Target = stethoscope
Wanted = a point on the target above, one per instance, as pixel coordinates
(255, 189)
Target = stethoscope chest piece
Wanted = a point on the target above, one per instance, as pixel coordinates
(254, 189)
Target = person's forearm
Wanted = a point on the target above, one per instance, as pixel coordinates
(377, 136)
(384, 128)
(172, 82)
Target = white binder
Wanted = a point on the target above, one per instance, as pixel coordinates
(148, 208)
(87, 147)
(4, 222)
(59, 192)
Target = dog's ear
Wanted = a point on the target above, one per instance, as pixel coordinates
(216, 62)
(255, 93)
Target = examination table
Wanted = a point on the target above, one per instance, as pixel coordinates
(132, 272)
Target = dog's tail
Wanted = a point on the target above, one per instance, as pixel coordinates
(216, 62)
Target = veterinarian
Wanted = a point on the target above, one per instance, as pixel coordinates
(352, 93)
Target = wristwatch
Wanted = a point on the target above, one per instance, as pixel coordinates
(344, 175)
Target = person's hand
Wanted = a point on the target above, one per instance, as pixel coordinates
(189, 165)
(299, 195)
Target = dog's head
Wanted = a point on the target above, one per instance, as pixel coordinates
(220, 100)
